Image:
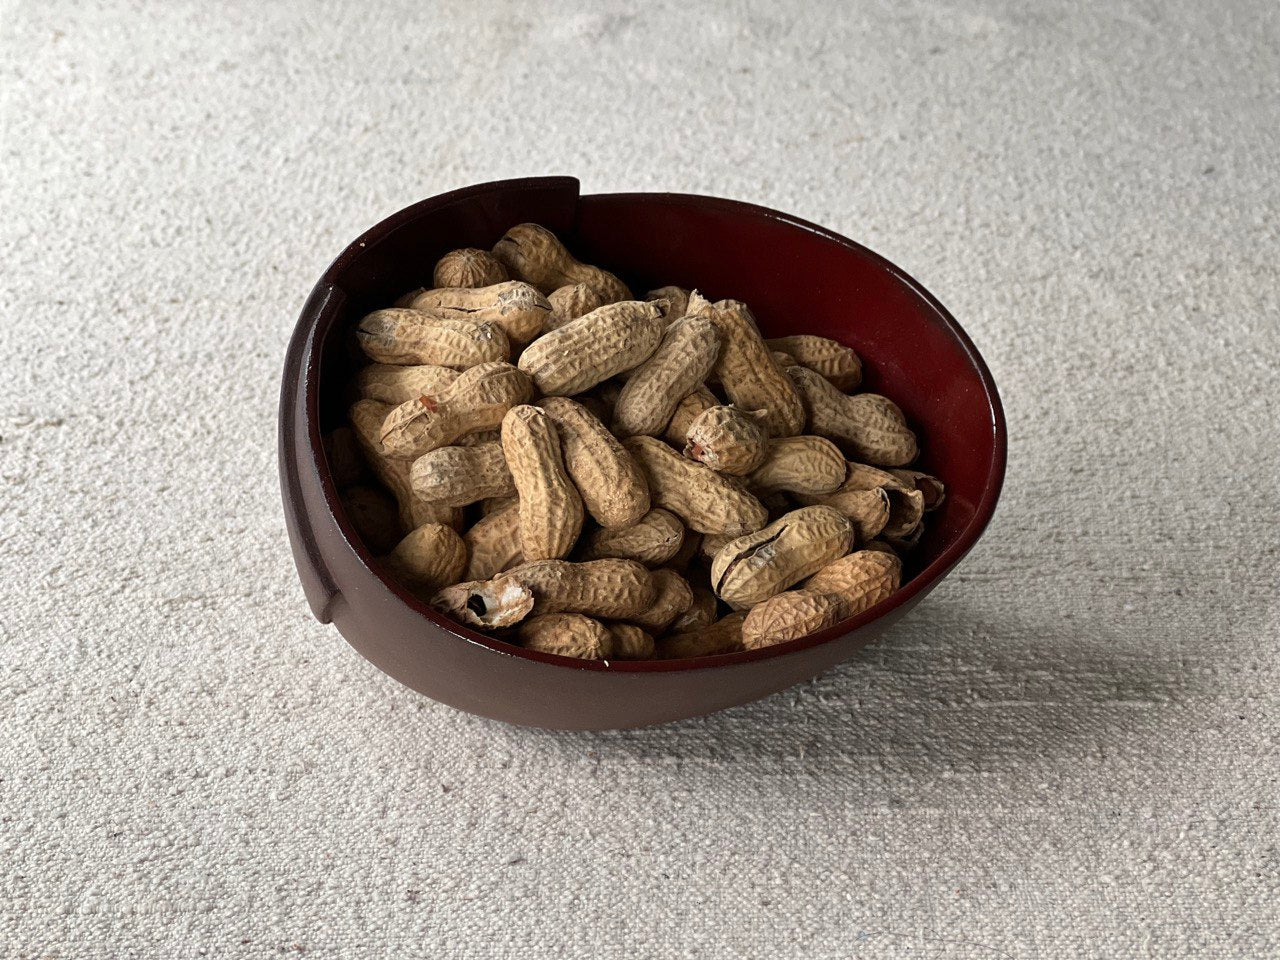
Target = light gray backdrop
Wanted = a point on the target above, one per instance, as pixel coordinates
(1069, 751)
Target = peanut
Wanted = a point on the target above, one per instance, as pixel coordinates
(494, 604)
(747, 371)
(723, 636)
(591, 349)
(867, 426)
(801, 465)
(873, 499)
(789, 615)
(754, 567)
(907, 541)
(684, 357)
(550, 507)
(518, 308)
(652, 540)
(571, 302)
(712, 542)
(706, 501)
(395, 384)
(493, 543)
(468, 267)
(428, 558)
(677, 302)
(783, 360)
(688, 551)
(407, 336)
(930, 487)
(672, 597)
(686, 411)
(373, 513)
(567, 635)
(728, 440)
(534, 254)
(366, 417)
(491, 505)
(456, 476)
(476, 401)
(830, 358)
(614, 589)
(630, 642)
(867, 510)
(860, 580)
(475, 439)
(612, 486)
(701, 613)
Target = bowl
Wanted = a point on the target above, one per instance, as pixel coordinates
(797, 278)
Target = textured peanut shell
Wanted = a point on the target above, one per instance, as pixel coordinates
(456, 476)
(475, 439)
(630, 642)
(830, 358)
(534, 254)
(612, 486)
(859, 580)
(789, 615)
(490, 604)
(518, 308)
(681, 362)
(428, 558)
(688, 551)
(571, 302)
(748, 374)
(906, 510)
(672, 597)
(931, 488)
(723, 636)
(375, 516)
(613, 589)
(468, 267)
(752, 568)
(803, 465)
(701, 613)
(395, 384)
(567, 635)
(677, 302)
(866, 426)
(728, 440)
(712, 542)
(908, 541)
(551, 510)
(591, 349)
(476, 401)
(652, 540)
(346, 461)
(868, 510)
(366, 418)
(493, 543)
(686, 411)
(783, 360)
(706, 501)
(406, 336)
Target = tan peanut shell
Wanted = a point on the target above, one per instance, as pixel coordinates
(652, 540)
(906, 511)
(789, 615)
(517, 308)
(706, 501)
(477, 401)
(723, 636)
(677, 302)
(687, 553)
(672, 597)
(860, 580)
(468, 267)
(783, 360)
(748, 374)
(374, 515)
(429, 557)
(571, 302)
(712, 542)
(868, 510)
(906, 542)
(803, 465)
(534, 254)
(493, 543)
(612, 485)
(366, 418)
(567, 635)
(408, 336)
(456, 476)
(492, 604)
(475, 439)
(395, 384)
(591, 349)
(867, 426)
(630, 642)
(830, 358)
(613, 589)
(346, 461)
(686, 411)
(407, 298)
(752, 568)
(728, 440)
(550, 508)
(684, 357)
(490, 505)
(931, 488)
(701, 613)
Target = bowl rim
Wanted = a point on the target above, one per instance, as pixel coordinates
(921, 583)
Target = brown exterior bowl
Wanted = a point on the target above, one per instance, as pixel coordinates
(798, 278)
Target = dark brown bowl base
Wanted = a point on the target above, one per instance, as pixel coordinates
(798, 278)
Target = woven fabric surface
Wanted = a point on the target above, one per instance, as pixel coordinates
(1069, 750)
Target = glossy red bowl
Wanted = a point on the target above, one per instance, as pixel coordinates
(798, 278)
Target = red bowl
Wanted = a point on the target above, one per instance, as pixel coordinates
(797, 277)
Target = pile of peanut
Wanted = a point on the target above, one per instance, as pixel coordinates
(591, 475)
